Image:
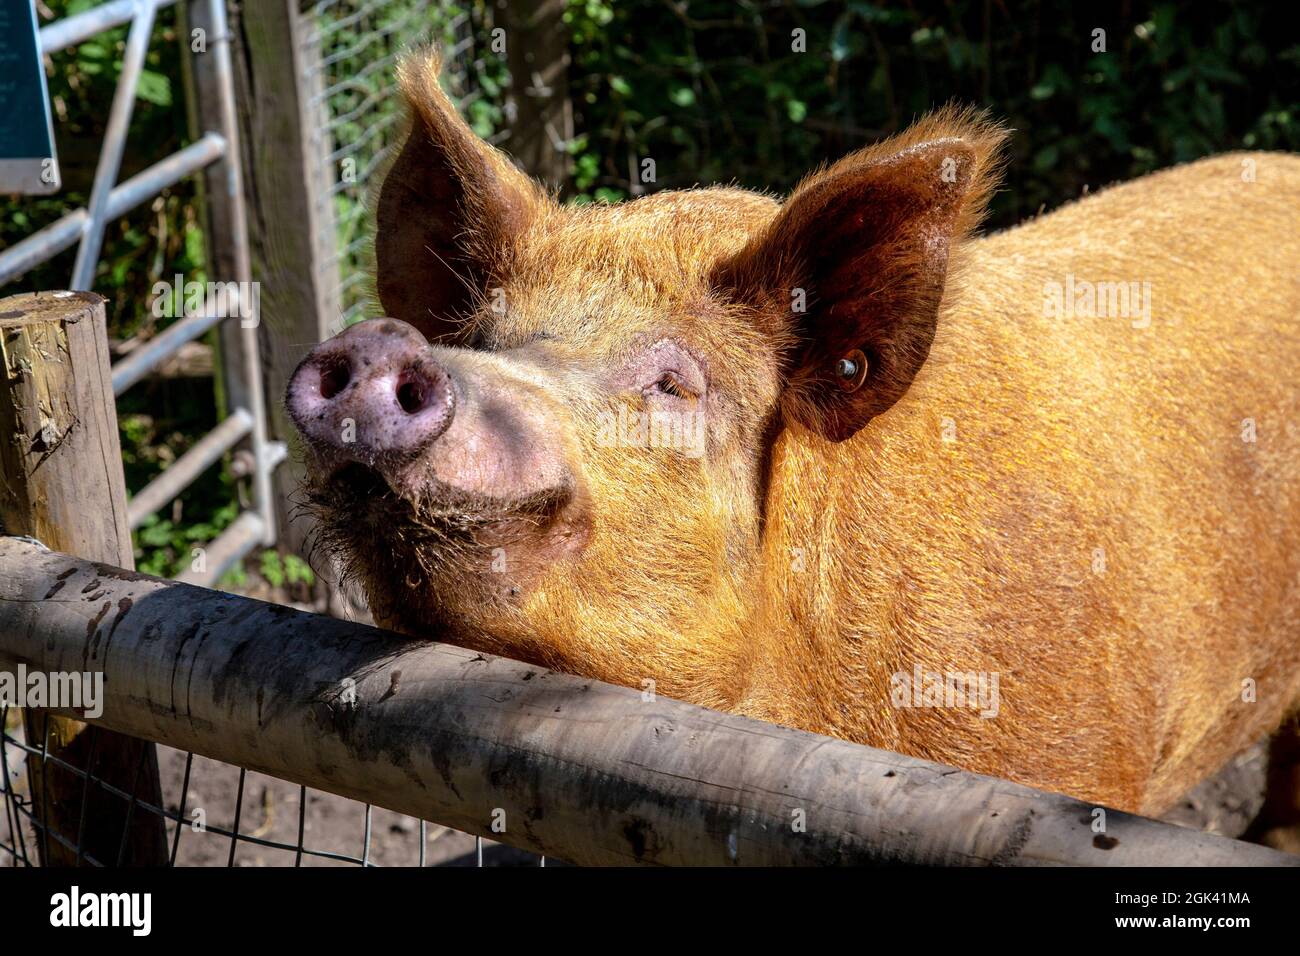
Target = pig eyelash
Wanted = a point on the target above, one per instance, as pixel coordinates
(669, 384)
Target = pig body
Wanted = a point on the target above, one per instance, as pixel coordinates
(967, 499)
(1104, 512)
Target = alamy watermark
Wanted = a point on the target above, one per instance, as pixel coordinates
(66, 690)
(973, 690)
(221, 300)
(681, 431)
(133, 911)
(1081, 299)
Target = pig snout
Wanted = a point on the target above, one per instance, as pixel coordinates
(374, 392)
(445, 428)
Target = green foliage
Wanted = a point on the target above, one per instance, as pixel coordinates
(284, 570)
(713, 91)
(152, 439)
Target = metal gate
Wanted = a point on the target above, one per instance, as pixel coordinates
(216, 148)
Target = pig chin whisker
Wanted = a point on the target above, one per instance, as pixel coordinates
(368, 532)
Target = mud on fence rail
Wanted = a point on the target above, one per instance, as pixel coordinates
(576, 769)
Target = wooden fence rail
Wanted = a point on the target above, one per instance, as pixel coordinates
(576, 769)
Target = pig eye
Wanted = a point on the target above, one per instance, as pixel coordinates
(664, 368)
(670, 384)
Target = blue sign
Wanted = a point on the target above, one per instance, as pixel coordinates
(28, 164)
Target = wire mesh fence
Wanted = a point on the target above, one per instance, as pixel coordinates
(348, 52)
(217, 814)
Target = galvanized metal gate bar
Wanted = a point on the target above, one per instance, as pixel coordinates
(109, 199)
(110, 155)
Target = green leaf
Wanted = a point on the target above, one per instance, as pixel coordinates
(154, 88)
(272, 569)
(298, 571)
(1046, 158)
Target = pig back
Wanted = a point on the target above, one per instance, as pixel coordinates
(1089, 499)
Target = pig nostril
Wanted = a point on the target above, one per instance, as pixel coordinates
(412, 396)
(421, 388)
(334, 377)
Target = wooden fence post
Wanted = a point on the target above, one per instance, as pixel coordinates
(61, 483)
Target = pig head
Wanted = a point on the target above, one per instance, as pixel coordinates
(556, 445)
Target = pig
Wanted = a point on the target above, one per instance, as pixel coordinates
(1025, 503)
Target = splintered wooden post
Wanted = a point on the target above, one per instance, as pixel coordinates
(61, 483)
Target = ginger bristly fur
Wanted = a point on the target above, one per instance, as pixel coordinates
(1064, 502)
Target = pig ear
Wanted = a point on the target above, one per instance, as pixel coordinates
(863, 250)
(450, 210)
